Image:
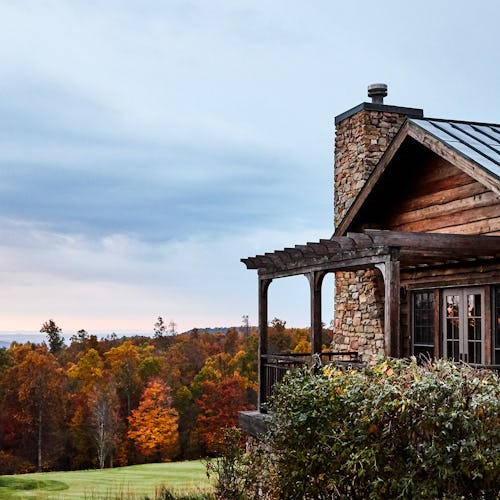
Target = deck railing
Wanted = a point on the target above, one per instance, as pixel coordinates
(275, 366)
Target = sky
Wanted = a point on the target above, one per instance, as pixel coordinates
(147, 146)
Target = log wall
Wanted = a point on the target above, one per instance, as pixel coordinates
(443, 199)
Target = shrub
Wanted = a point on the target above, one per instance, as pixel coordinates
(229, 467)
(394, 430)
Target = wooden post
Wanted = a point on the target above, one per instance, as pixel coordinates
(315, 284)
(263, 325)
(392, 335)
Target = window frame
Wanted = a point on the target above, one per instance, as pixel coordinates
(463, 340)
(430, 323)
(495, 327)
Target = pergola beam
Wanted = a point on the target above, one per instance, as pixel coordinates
(263, 330)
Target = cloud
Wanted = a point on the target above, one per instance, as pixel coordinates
(145, 147)
(119, 280)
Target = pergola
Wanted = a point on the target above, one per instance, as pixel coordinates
(389, 251)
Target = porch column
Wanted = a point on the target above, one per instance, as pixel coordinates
(263, 324)
(315, 284)
(392, 336)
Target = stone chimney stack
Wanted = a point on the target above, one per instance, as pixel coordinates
(361, 137)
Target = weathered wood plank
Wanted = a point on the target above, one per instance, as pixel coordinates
(484, 199)
(454, 179)
(482, 227)
(438, 198)
(432, 241)
(263, 336)
(392, 338)
(452, 276)
(446, 222)
(437, 168)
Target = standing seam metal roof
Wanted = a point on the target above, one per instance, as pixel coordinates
(479, 142)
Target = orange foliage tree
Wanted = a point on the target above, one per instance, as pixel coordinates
(153, 426)
(36, 396)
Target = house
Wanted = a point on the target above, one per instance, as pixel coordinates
(416, 246)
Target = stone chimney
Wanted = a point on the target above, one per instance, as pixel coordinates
(362, 134)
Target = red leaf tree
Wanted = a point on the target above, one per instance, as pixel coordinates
(219, 404)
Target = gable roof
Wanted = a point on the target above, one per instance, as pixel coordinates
(472, 147)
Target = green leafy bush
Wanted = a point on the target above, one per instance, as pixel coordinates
(394, 430)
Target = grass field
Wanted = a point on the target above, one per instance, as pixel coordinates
(127, 483)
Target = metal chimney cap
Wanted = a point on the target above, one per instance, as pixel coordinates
(377, 91)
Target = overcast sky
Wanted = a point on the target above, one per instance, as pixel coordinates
(147, 146)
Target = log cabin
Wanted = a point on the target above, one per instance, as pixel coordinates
(415, 249)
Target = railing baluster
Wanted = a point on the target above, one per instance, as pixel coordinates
(276, 365)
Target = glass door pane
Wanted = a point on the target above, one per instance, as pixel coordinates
(452, 327)
(474, 330)
(463, 325)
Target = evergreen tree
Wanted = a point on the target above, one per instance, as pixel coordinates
(54, 336)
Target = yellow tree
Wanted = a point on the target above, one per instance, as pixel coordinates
(87, 372)
(124, 362)
(85, 376)
(153, 426)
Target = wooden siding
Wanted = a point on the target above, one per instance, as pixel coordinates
(446, 200)
(451, 276)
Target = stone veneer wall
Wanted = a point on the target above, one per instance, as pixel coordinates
(360, 141)
(359, 313)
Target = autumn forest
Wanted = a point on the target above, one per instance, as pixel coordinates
(130, 400)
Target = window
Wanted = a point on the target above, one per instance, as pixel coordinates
(463, 325)
(423, 323)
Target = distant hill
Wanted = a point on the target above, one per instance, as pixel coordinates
(6, 338)
(217, 329)
(21, 337)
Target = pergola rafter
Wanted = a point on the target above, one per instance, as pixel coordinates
(358, 249)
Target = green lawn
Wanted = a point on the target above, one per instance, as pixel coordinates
(134, 482)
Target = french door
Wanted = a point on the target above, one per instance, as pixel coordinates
(463, 325)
